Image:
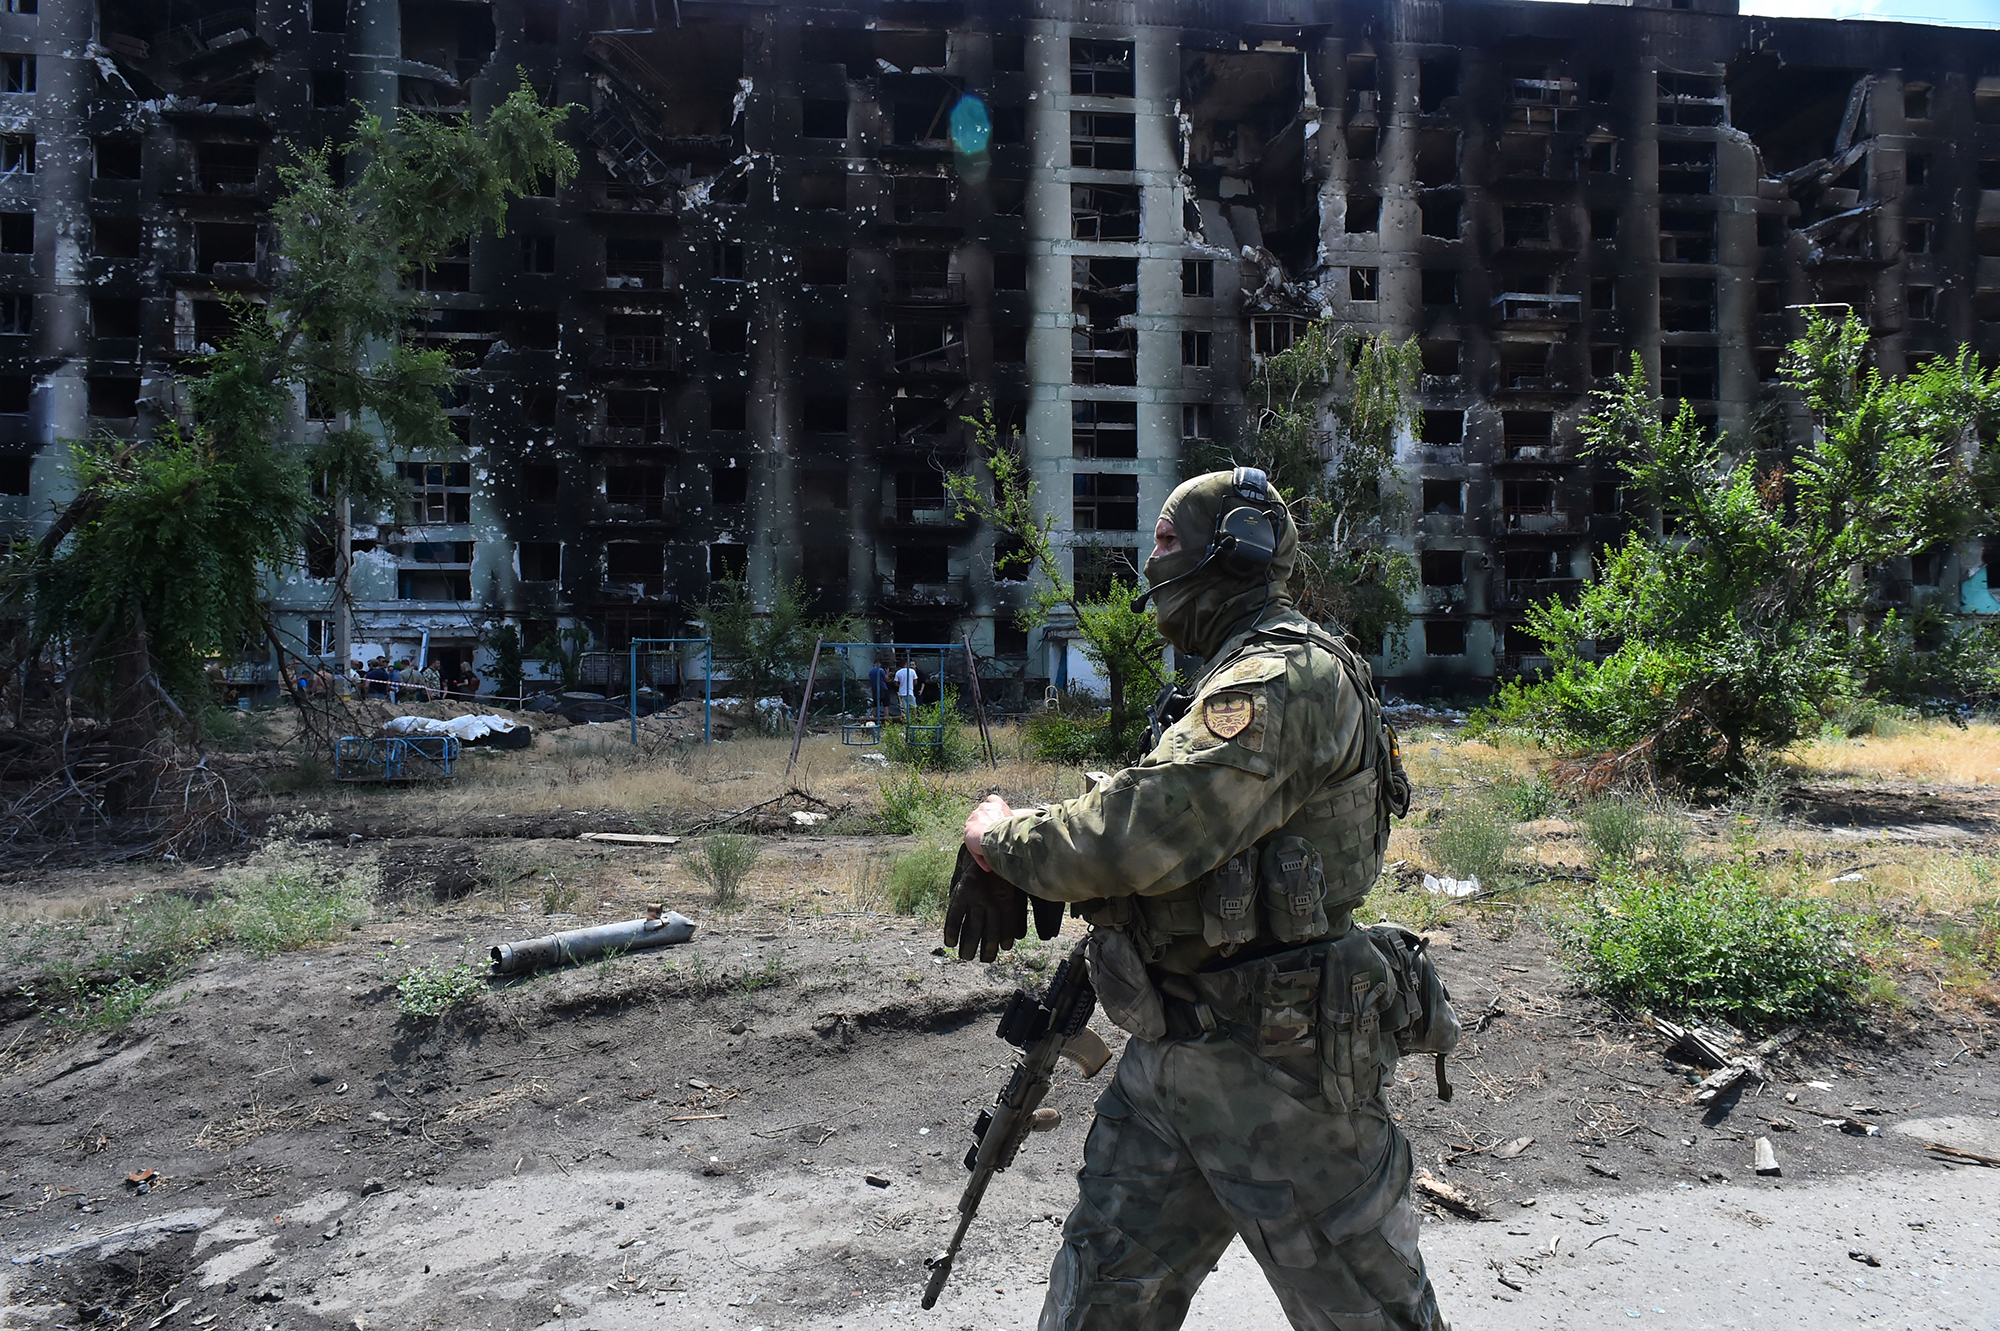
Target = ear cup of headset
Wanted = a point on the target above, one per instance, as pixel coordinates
(1253, 541)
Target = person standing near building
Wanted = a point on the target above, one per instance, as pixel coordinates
(878, 689)
(906, 689)
(1220, 876)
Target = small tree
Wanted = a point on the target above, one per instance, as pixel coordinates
(505, 642)
(562, 652)
(1125, 645)
(1727, 630)
(766, 647)
(1329, 409)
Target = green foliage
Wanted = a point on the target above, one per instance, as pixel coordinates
(292, 893)
(507, 660)
(1471, 838)
(1692, 650)
(1531, 798)
(1931, 660)
(910, 801)
(155, 565)
(1714, 942)
(1073, 740)
(766, 647)
(721, 863)
(1124, 645)
(562, 652)
(86, 1004)
(935, 739)
(1329, 410)
(920, 879)
(428, 991)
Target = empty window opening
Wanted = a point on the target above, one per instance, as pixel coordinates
(17, 233)
(1104, 429)
(436, 492)
(1440, 357)
(1442, 568)
(116, 157)
(821, 190)
(328, 89)
(1102, 140)
(1689, 372)
(539, 561)
(1442, 429)
(1440, 286)
(1437, 79)
(1525, 226)
(825, 339)
(1444, 498)
(1687, 168)
(1104, 212)
(1197, 420)
(1687, 237)
(729, 482)
(728, 260)
(1444, 637)
(823, 491)
(728, 336)
(728, 411)
(1601, 156)
(822, 266)
(1010, 272)
(1100, 69)
(1364, 213)
(1105, 502)
(538, 254)
(17, 155)
(1440, 217)
(1687, 305)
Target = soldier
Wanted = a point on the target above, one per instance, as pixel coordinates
(1221, 874)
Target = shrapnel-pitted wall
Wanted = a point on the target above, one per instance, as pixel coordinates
(743, 339)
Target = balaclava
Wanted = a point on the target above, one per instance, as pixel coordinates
(1199, 615)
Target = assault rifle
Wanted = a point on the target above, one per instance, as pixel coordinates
(1043, 1029)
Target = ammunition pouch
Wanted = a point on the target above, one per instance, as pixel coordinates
(1124, 990)
(1359, 1002)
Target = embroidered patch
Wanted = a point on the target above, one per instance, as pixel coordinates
(1228, 715)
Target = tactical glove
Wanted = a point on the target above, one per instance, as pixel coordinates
(985, 913)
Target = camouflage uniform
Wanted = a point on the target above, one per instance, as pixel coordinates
(1222, 870)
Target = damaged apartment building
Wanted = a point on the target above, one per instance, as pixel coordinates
(807, 240)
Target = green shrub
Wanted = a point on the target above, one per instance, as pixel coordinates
(1717, 942)
(1621, 829)
(1073, 739)
(427, 992)
(935, 740)
(1470, 839)
(721, 863)
(920, 879)
(292, 893)
(909, 801)
(93, 1005)
(1532, 798)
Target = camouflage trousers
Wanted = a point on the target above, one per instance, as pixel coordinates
(1197, 1141)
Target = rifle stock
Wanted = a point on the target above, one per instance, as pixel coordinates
(1044, 1029)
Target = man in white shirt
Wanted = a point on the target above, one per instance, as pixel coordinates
(906, 689)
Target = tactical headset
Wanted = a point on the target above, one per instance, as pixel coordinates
(1245, 538)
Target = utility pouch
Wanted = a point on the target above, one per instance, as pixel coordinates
(1356, 1054)
(1423, 1020)
(1229, 902)
(1270, 1004)
(1293, 888)
(1124, 990)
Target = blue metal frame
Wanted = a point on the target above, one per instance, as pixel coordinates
(707, 681)
(394, 757)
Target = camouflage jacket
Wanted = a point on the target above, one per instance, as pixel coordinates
(1283, 735)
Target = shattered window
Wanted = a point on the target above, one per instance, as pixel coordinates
(1602, 156)
(1444, 637)
(1922, 303)
(1440, 217)
(1688, 372)
(1437, 79)
(17, 73)
(1916, 101)
(913, 197)
(225, 165)
(729, 336)
(641, 565)
(1691, 99)
(17, 155)
(538, 254)
(1687, 237)
(1104, 356)
(1444, 498)
(1197, 277)
(1687, 305)
(328, 88)
(1440, 286)
(17, 233)
(438, 492)
(1917, 236)
(1104, 212)
(640, 486)
(1442, 429)
(633, 264)
(1525, 226)
(17, 314)
(1101, 139)
(1100, 69)
(729, 261)
(1442, 568)
(116, 157)
(1687, 168)
(1104, 429)
(540, 561)
(1363, 283)
(1197, 420)
(1197, 349)
(1010, 197)
(1364, 213)
(1273, 333)
(1440, 357)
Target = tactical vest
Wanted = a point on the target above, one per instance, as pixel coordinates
(1301, 882)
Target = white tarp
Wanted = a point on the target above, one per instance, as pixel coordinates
(467, 728)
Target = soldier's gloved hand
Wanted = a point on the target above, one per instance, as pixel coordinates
(985, 913)
(1048, 917)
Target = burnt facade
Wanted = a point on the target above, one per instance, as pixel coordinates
(806, 241)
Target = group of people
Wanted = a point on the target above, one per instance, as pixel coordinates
(905, 681)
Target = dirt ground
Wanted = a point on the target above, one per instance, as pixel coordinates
(761, 1127)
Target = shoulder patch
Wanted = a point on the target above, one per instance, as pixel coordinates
(1250, 670)
(1228, 714)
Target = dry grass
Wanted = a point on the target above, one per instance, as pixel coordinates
(1923, 751)
(260, 1120)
